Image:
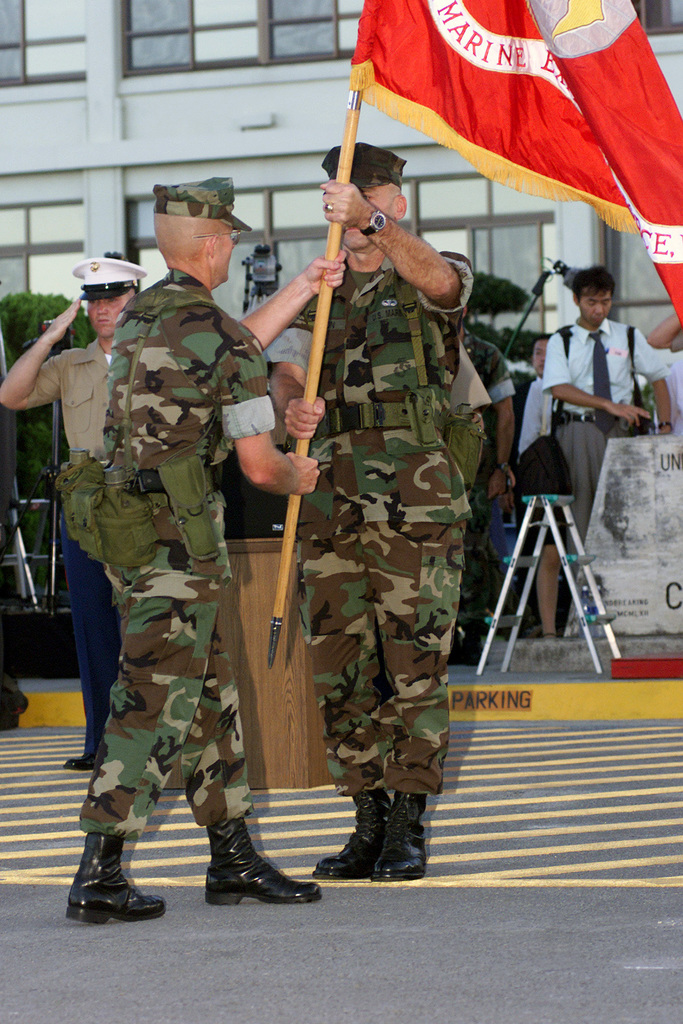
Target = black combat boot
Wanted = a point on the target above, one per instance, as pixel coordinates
(236, 871)
(101, 891)
(358, 857)
(403, 855)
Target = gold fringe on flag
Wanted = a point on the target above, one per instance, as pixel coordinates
(492, 166)
(362, 76)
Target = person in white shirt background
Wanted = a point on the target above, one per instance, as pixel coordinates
(592, 413)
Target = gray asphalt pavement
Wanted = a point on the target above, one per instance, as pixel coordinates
(554, 895)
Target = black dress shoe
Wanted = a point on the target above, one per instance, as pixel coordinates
(80, 764)
(403, 855)
(100, 891)
(360, 854)
(237, 871)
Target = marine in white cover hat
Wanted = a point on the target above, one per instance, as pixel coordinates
(78, 376)
(106, 276)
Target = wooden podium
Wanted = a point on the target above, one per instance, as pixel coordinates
(281, 722)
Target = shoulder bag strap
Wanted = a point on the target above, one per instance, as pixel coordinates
(637, 394)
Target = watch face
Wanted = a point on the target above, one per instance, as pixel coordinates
(377, 222)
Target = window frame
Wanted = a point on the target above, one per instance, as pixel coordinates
(26, 249)
(23, 46)
(665, 25)
(263, 23)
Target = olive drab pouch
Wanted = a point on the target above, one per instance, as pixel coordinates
(422, 416)
(78, 483)
(107, 516)
(464, 439)
(184, 480)
(124, 519)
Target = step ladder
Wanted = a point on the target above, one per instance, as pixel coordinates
(548, 503)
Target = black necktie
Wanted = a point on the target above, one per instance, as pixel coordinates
(601, 388)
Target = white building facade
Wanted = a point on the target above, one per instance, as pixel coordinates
(101, 99)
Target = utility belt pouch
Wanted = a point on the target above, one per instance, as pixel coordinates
(105, 514)
(422, 415)
(184, 480)
(79, 483)
(464, 438)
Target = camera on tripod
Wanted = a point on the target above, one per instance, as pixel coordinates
(262, 274)
(66, 341)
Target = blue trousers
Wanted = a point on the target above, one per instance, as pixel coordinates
(97, 633)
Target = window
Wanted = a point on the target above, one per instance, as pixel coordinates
(663, 15)
(502, 231)
(41, 40)
(164, 35)
(39, 245)
(640, 298)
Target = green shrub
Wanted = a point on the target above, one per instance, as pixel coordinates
(21, 315)
(492, 295)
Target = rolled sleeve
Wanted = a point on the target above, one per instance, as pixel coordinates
(466, 280)
(501, 389)
(249, 418)
(292, 346)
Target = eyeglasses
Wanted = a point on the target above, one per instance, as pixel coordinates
(234, 235)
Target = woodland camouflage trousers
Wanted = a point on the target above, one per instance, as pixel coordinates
(406, 580)
(175, 696)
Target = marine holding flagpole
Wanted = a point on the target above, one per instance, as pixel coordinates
(186, 382)
(381, 537)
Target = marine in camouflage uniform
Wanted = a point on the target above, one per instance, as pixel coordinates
(198, 385)
(481, 577)
(381, 536)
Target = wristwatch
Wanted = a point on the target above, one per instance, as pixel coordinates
(504, 466)
(377, 222)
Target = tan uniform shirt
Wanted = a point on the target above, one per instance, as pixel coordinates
(79, 377)
(468, 388)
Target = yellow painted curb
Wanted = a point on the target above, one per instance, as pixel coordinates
(54, 708)
(605, 700)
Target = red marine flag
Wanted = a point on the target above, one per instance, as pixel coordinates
(562, 98)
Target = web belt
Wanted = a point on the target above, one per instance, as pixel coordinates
(343, 418)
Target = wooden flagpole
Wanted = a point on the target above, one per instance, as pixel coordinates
(322, 317)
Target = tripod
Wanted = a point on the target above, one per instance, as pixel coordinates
(261, 277)
(558, 267)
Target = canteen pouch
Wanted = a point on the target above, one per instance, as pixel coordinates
(184, 480)
(464, 438)
(112, 522)
(78, 484)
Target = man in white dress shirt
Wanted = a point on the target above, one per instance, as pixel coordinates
(593, 376)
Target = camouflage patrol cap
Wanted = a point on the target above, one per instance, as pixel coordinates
(371, 166)
(213, 199)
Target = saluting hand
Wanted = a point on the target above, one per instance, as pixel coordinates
(55, 332)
